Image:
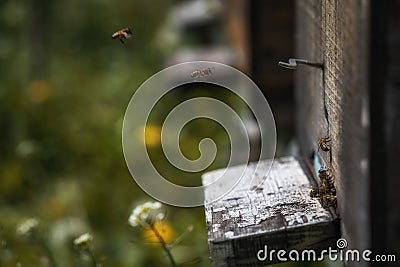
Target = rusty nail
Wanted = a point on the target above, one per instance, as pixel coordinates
(293, 62)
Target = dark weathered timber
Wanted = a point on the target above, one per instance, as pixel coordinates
(385, 128)
(272, 34)
(278, 213)
(335, 103)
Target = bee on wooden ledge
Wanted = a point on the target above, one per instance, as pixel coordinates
(326, 192)
(122, 34)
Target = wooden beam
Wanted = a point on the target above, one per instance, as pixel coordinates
(278, 213)
(334, 102)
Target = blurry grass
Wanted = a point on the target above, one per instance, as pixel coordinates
(60, 143)
(60, 148)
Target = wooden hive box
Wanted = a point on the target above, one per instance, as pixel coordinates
(278, 213)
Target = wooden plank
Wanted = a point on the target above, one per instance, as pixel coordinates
(335, 101)
(278, 213)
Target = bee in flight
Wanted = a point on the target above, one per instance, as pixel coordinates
(122, 34)
(200, 73)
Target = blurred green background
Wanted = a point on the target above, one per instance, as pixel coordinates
(64, 87)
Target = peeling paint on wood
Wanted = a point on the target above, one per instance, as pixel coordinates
(278, 213)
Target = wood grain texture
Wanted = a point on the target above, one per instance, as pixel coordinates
(278, 213)
(334, 102)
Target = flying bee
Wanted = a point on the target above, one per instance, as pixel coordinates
(323, 144)
(200, 73)
(123, 34)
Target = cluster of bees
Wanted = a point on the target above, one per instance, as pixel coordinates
(326, 192)
(200, 73)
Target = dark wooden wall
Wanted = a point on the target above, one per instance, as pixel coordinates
(334, 102)
(385, 126)
(272, 40)
(356, 101)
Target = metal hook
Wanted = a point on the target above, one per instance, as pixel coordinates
(293, 62)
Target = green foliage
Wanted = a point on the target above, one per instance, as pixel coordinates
(64, 87)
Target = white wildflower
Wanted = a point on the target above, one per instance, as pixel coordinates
(160, 216)
(27, 226)
(84, 240)
(146, 214)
